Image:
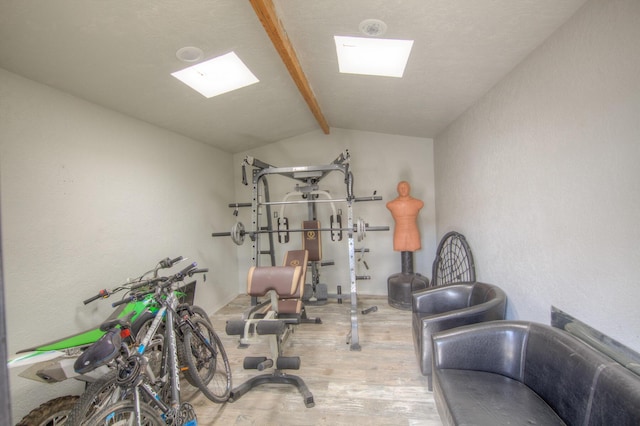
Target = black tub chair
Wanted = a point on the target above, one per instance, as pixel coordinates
(450, 306)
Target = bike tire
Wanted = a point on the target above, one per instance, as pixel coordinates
(51, 413)
(210, 371)
(96, 396)
(197, 312)
(123, 412)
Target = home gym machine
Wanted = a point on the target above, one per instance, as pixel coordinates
(308, 178)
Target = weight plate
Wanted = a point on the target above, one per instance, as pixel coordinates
(237, 233)
(361, 229)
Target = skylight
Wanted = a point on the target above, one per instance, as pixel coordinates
(372, 56)
(217, 76)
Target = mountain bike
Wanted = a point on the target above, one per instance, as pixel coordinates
(144, 396)
(52, 362)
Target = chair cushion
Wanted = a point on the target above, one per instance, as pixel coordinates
(467, 397)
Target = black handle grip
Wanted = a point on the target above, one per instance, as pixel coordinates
(123, 301)
(168, 263)
(198, 271)
(101, 294)
(186, 270)
(244, 175)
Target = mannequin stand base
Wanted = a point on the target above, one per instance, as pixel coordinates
(400, 287)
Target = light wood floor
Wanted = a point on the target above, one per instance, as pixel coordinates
(379, 385)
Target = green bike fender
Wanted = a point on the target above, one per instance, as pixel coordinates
(88, 337)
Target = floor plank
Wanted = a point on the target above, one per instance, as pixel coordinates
(379, 385)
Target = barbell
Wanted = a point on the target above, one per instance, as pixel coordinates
(238, 232)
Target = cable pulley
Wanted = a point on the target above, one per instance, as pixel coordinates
(238, 231)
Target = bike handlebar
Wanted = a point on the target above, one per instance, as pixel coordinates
(198, 271)
(132, 298)
(101, 294)
(168, 263)
(168, 280)
(123, 301)
(185, 271)
(145, 283)
(165, 263)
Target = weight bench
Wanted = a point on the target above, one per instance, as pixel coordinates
(275, 320)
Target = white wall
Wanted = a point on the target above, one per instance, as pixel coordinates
(90, 198)
(378, 163)
(542, 175)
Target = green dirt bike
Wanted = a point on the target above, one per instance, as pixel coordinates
(53, 362)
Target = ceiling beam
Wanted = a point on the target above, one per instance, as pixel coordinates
(267, 14)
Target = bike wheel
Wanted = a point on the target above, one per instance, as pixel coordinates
(196, 312)
(207, 363)
(201, 313)
(51, 413)
(104, 391)
(123, 413)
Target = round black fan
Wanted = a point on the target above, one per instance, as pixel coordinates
(454, 261)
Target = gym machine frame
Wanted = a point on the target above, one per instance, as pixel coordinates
(309, 175)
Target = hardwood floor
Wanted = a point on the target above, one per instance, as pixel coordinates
(379, 385)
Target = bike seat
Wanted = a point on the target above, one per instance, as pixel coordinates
(100, 353)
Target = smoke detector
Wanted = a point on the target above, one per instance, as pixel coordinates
(373, 27)
(189, 54)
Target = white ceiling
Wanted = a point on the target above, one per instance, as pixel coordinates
(120, 54)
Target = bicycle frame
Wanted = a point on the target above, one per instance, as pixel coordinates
(169, 355)
(169, 370)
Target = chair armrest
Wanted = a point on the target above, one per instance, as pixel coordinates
(491, 310)
(495, 347)
(435, 300)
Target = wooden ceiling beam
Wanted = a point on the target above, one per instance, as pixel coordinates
(267, 14)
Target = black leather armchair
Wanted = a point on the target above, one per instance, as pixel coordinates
(442, 308)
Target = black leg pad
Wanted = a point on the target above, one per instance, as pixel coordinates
(235, 327)
(288, 363)
(277, 377)
(252, 362)
(270, 327)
